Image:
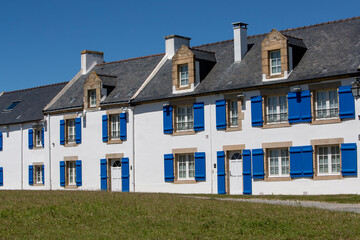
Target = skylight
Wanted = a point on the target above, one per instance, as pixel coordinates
(12, 106)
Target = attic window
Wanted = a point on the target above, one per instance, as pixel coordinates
(184, 75)
(12, 106)
(275, 62)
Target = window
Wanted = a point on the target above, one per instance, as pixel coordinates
(328, 160)
(71, 173)
(70, 130)
(233, 113)
(183, 75)
(275, 62)
(184, 118)
(92, 98)
(39, 174)
(326, 104)
(12, 106)
(279, 162)
(276, 109)
(186, 167)
(38, 138)
(114, 127)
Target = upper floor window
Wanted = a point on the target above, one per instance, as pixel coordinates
(114, 127)
(233, 113)
(279, 162)
(328, 160)
(186, 167)
(276, 109)
(38, 138)
(326, 104)
(184, 75)
(92, 98)
(275, 62)
(70, 123)
(184, 118)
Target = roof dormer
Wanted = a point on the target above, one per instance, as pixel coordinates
(92, 92)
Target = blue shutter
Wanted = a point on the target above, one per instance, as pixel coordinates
(105, 136)
(1, 177)
(305, 108)
(62, 132)
(169, 167)
(42, 137)
(221, 172)
(221, 114)
(348, 159)
(168, 119)
(200, 169)
(125, 174)
(307, 158)
(258, 163)
(62, 173)
(123, 126)
(346, 103)
(103, 174)
(31, 175)
(43, 174)
(199, 116)
(247, 171)
(1, 141)
(256, 111)
(294, 107)
(78, 173)
(31, 137)
(78, 130)
(296, 162)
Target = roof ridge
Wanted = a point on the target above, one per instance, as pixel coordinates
(129, 59)
(28, 89)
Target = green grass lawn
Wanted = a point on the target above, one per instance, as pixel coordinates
(102, 215)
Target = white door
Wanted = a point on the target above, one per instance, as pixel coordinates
(116, 175)
(235, 172)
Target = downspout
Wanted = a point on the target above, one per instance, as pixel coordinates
(211, 149)
(133, 145)
(22, 157)
(49, 144)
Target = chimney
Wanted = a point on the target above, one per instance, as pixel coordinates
(173, 43)
(240, 40)
(89, 59)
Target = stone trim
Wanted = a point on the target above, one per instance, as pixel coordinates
(184, 150)
(274, 145)
(176, 153)
(66, 160)
(36, 164)
(114, 155)
(93, 82)
(327, 141)
(277, 144)
(71, 158)
(109, 113)
(240, 113)
(238, 147)
(182, 57)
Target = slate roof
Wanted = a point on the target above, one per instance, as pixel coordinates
(333, 49)
(32, 102)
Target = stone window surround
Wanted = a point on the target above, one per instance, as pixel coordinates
(109, 113)
(183, 56)
(66, 160)
(176, 152)
(93, 82)
(66, 118)
(35, 129)
(228, 98)
(37, 164)
(175, 104)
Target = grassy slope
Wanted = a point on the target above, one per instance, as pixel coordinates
(91, 215)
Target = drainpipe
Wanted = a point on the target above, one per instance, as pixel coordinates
(49, 145)
(211, 149)
(133, 146)
(22, 157)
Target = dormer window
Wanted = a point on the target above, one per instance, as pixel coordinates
(92, 98)
(184, 75)
(275, 62)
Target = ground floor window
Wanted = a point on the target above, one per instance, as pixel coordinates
(39, 174)
(186, 167)
(71, 172)
(279, 162)
(328, 160)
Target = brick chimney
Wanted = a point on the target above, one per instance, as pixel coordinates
(173, 43)
(89, 59)
(240, 40)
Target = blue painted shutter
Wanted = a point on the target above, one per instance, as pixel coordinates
(307, 157)
(1, 177)
(31, 175)
(103, 174)
(105, 136)
(221, 172)
(221, 114)
(62, 173)
(43, 174)
(200, 169)
(346, 103)
(294, 108)
(125, 174)
(305, 108)
(42, 137)
(78, 173)
(247, 171)
(78, 130)
(169, 167)
(62, 132)
(256, 111)
(258, 163)
(199, 116)
(168, 119)
(295, 162)
(31, 144)
(123, 126)
(348, 159)
(1, 141)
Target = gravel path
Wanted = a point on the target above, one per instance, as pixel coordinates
(322, 205)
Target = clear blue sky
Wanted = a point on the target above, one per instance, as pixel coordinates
(41, 40)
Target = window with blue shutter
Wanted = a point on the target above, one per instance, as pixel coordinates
(299, 105)
(105, 136)
(62, 132)
(258, 163)
(247, 181)
(125, 175)
(256, 111)
(346, 103)
(307, 157)
(220, 114)
(122, 126)
(62, 173)
(169, 167)
(31, 138)
(1, 177)
(31, 175)
(348, 159)
(221, 172)
(1, 141)
(305, 106)
(78, 130)
(78, 173)
(43, 174)
(200, 169)
(42, 137)
(301, 161)
(198, 116)
(168, 119)
(103, 174)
